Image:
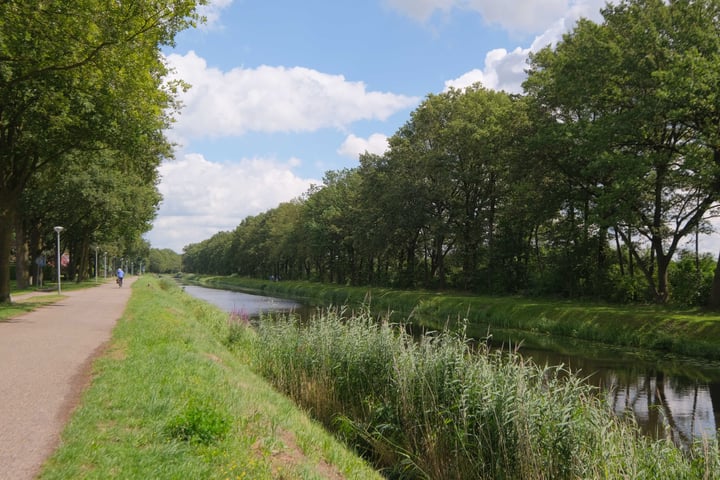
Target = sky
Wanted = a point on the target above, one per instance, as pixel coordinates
(283, 91)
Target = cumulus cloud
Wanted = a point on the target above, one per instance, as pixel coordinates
(273, 99)
(523, 16)
(505, 70)
(354, 146)
(201, 198)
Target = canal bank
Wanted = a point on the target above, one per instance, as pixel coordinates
(357, 359)
(689, 332)
(668, 395)
(170, 400)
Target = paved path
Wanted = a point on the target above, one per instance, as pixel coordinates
(45, 361)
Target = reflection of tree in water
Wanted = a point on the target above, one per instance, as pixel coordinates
(714, 389)
(681, 401)
(678, 409)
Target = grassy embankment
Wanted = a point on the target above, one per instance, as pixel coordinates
(176, 396)
(683, 331)
(170, 400)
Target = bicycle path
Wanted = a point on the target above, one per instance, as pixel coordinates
(45, 364)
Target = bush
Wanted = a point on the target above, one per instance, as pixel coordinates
(690, 280)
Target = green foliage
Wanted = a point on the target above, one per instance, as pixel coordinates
(164, 261)
(685, 331)
(574, 189)
(82, 84)
(437, 407)
(211, 255)
(624, 288)
(199, 422)
(692, 278)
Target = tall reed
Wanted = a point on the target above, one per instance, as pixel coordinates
(437, 407)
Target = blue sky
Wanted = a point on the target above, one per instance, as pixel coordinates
(283, 91)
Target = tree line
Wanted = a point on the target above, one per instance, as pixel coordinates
(595, 182)
(83, 103)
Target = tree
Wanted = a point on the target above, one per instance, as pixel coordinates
(80, 77)
(644, 125)
(164, 260)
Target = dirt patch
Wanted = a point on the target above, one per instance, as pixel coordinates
(291, 455)
(79, 382)
(214, 358)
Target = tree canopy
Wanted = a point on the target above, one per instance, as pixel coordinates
(82, 84)
(591, 183)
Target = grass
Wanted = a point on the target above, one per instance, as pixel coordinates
(39, 298)
(437, 408)
(691, 332)
(11, 310)
(170, 400)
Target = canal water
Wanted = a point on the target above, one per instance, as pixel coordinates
(244, 304)
(668, 395)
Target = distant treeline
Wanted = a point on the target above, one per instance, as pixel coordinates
(595, 182)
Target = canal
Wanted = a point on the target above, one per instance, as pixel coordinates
(670, 395)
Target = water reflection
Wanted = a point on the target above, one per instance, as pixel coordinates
(667, 395)
(663, 401)
(241, 303)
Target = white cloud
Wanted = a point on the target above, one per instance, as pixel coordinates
(522, 16)
(212, 11)
(353, 146)
(505, 70)
(201, 198)
(273, 99)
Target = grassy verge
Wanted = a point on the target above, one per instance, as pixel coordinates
(169, 400)
(436, 409)
(27, 300)
(690, 332)
(10, 310)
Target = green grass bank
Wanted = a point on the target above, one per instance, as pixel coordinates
(691, 332)
(170, 399)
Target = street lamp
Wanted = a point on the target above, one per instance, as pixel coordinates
(105, 264)
(96, 262)
(58, 230)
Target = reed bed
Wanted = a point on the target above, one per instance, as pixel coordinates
(439, 407)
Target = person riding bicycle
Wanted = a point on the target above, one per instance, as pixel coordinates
(120, 276)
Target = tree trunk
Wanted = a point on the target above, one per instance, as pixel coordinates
(714, 300)
(21, 255)
(619, 253)
(5, 246)
(663, 287)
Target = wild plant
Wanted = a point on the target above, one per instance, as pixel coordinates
(438, 407)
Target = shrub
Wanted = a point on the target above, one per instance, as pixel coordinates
(199, 422)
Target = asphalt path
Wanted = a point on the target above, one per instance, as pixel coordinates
(45, 364)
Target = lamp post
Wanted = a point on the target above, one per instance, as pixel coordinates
(105, 265)
(58, 230)
(96, 262)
